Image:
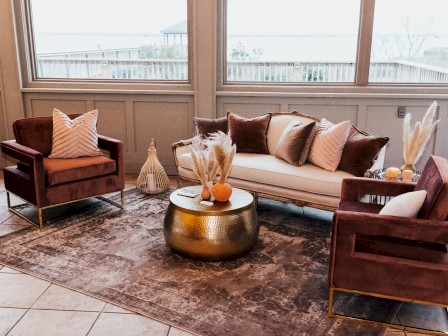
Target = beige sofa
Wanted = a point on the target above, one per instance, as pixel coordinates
(267, 176)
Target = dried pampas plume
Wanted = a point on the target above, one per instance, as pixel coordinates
(203, 159)
(415, 138)
(224, 152)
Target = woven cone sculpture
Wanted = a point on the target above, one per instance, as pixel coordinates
(152, 178)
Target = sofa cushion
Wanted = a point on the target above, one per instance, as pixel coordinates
(293, 142)
(249, 135)
(269, 170)
(326, 150)
(74, 138)
(360, 151)
(206, 126)
(279, 122)
(60, 171)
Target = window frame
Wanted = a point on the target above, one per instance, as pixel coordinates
(31, 83)
(360, 84)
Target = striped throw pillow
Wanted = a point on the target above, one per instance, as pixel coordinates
(74, 138)
(326, 150)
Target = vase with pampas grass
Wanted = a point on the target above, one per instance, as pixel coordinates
(416, 137)
(204, 166)
(224, 153)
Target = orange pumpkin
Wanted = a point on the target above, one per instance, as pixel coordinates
(222, 191)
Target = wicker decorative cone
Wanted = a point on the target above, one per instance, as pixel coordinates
(152, 178)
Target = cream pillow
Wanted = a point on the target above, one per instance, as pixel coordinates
(326, 150)
(74, 138)
(405, 205)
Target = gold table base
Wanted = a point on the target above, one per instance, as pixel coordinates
(221, 231)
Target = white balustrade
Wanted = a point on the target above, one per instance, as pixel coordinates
(238, 71)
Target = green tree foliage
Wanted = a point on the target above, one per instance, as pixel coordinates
(239, 53)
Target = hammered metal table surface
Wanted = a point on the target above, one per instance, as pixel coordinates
(220, 231)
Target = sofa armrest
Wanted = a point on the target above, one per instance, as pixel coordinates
(430, 231)
(116, 152)
(20, 152)
(33, 178)
(181, 147)
(354, 188)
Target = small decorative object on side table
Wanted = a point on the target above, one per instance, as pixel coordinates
(211, 230)
(152, 178)
(381, 174)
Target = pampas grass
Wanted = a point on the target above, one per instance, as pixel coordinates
(415, 138)
(224, 152)
(203, 161)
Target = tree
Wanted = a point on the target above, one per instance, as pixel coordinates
(407, 43)
(161, 52)
(239, 53)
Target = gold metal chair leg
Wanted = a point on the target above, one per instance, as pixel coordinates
(41, 222)
(330, 303)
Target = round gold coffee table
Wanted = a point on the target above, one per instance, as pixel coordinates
(220, 231)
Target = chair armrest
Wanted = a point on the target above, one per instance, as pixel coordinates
(20, 152)
(350, 223)
(181, 147)
(116, 151)
(354, 188)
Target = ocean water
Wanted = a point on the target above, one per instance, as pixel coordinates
(339, 48)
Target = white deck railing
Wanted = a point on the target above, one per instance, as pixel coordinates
(258, 71)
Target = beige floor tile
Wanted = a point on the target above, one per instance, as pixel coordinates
(110, 308)
(8, 318)
(60, 298)
(112, 324)
(6, 269)
(9, 228)
(20, 290)
(14, 199)
(14, 219)
(4, 213)
(178, 332)
(54, 323)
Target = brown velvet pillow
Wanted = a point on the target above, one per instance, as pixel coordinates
(360, 150)
(206, 126)
(249, 135)
(292, 142)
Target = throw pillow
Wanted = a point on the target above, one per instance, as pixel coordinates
(326, 150)
(405, 205)
(360, 150)
(74, 138)
(249, 135)
(292, 142)
(206, 126)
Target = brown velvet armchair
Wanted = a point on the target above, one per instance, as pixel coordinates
(45, 182)
(392, 257)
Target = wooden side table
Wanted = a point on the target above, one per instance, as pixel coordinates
(211, 232)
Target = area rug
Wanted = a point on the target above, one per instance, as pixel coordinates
(279, 288)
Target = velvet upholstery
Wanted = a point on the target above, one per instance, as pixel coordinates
(44, 184)
(406, 258)
(435, 182)
(249, 135)
(206, 126)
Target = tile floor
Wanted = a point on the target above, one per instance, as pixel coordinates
(31, 306)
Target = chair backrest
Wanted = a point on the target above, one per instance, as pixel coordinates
(434, 180)
(36, 132)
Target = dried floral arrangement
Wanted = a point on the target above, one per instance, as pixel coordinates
(224, 152)
(416, 137)
(210, 157)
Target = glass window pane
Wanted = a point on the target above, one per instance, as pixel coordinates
(102, 39)
(410, 42)
(292, 40)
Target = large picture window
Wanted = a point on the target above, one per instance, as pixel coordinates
(101, 39)
(292, 40)
(410, 42)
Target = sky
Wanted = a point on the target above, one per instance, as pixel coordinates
(266, 16)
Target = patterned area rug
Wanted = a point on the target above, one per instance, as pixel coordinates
(279, 288)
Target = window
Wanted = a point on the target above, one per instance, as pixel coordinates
(292, 40)
(101, 39)
(410, 42)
